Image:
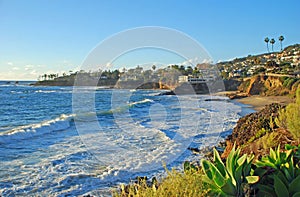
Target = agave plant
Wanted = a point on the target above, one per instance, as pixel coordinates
(229, 179)
(283, 179)
(296, 152)
(275, 159)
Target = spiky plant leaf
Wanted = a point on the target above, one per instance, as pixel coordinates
(294, 186)
(229, 189)
(230, 163)
(219, 163)
(265, 190)
(242, 160)
(296, 194)
(213, 172)
(280, 175)
(273, 156)
(206, 167)
(238, 174)
(280, 188)
(252, 179)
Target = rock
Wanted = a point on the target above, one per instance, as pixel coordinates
(231, 84)
(248, 126)
(215, 99)
(166, 93)
(187, 88)
(269, 85)
(194, 150)
(237, 96)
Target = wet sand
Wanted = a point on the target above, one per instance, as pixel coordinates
(259, 102)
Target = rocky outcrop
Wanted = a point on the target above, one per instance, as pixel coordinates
(186, 88)
(256, 85)
(231, 84)
(251, 125)
(267, 85)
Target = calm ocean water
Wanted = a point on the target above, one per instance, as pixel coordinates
(51, 146)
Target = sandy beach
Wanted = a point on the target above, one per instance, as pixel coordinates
(259, 102)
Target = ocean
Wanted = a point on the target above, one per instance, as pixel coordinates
(61, 141)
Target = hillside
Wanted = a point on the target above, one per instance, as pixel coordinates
(274, 73)
(270, 85)
(286, 62)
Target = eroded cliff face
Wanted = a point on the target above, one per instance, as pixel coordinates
(269, 85)
(256, 85)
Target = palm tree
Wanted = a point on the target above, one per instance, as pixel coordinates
(267, 41)
(272, 41)
(281, 38)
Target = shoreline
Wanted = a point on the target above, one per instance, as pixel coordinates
(256, 102)
(246, 108)
(259, 102)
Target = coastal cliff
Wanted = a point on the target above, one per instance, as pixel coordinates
(269, 85)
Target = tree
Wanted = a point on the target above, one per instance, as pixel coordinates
(272, 41)
(267, 41)
(153, 67)
(176, 67)
(281, 38)
(189, 70)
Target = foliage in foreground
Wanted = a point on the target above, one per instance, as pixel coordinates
(232, 178)
(280, 173)
(289, 118)
(188, 183)
(277, 174)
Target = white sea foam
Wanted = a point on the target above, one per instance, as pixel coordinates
(140, 102)
(32, 130)
(45, 91)
(123, 150)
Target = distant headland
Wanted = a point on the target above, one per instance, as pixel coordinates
(238, 74)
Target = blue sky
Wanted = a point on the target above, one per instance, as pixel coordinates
(51, 36)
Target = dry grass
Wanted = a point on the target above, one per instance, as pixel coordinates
(175, 184)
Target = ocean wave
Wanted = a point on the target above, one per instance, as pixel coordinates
(24, 132)
(16, 92)
(121, 109)
(45, 91)
(140, 102)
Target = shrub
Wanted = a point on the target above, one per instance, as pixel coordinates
(289, 117)
(259, 134)
(296, 85)
(175, 183)
(293, 116)
(286, 81)
(277, 174)
(281, 120)
(282, 178)
(290, 83)
(269, 140)
(231, 179)
(283, 78)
